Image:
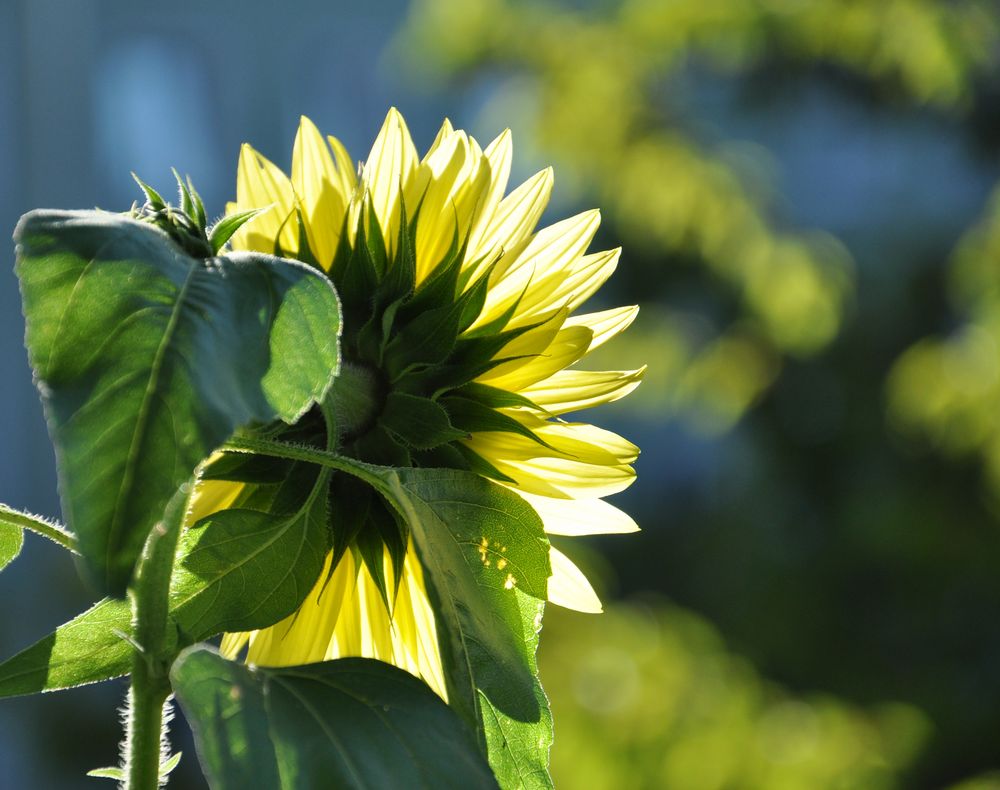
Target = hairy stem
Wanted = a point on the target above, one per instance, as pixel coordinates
(157, 646)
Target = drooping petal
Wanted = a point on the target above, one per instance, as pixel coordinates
(576, 517)
(568, 586)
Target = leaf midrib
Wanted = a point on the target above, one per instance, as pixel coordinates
(142, 419)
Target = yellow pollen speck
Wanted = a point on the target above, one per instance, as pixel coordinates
(501, 564)
(509, 582)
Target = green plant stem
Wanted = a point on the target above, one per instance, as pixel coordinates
(301, 452)
(156, 645)
(54, 532)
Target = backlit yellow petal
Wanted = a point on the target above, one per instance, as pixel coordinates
(572, 390)
(515, 217)
(260, 183)
(388, 171)
(347, 170)
(453, 180)
(605, 324)
(211, 496)
(569, 345)
(539, 277)
(575, 517)
(318, 186)
(569, 587)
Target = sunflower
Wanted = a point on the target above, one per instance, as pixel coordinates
(459, 349)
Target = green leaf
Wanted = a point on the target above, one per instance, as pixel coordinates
(353, 723)
(91, 647)
(11, 541)
(486, 561)
(147, 359)
(118, 774)
(242, 569)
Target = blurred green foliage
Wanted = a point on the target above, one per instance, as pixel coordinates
(948, 388)
(597, 85)
(648, 696)
(836, 560)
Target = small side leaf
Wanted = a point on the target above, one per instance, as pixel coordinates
(11, 541)
(89, 648)
(241, 569)
(349, 723)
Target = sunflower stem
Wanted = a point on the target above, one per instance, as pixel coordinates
(156, 650)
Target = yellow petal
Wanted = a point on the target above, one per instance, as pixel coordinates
(346, 168)
(388, 171)
(576, 517)
(454, 177)
(515, 217)
(538, 277)
(211, 496)
(568, 586)
(569, 345)
(562, 478)
(318, 186)
(605, 324)
(573, 390)
(259, 184)
(499, 154)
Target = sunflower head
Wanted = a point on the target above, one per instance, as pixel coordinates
(459, 337)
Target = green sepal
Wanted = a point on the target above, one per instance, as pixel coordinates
(427, 340)
(379, 447)
(473, 417)
(420, 422)
(401, 275)
(223, 230)
(153, 198)
(481, 466)
(495, 397)
(382, 533)
(92, 647)
(350, 502)
(354, 722)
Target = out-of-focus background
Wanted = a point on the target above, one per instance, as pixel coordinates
(805, 193)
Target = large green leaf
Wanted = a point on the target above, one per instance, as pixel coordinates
(486, 563)
(91, 647)
(147, 359)
(242, 569)
(352, 723)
